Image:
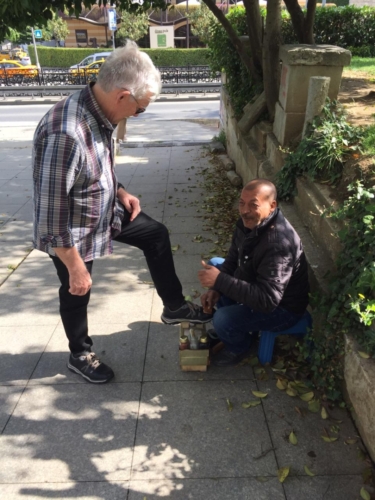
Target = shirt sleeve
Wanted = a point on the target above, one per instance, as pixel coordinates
(57, 163)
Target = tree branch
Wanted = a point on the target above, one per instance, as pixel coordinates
(309, 22)
(234, 38)
(297, 17)
(254, 26)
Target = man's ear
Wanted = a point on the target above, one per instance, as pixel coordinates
(122, 94)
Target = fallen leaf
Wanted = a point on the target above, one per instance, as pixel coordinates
(262, 479)
(283, 473)
(259, 394)
(293, 438)
(308, 471)
(324, 413)
(254, 361)
(350, 441)
(251, 404)
(281, 384)
(335, 429)
(299, 411)
(364, 355)
(329, 439)
(367, 475)
(365, 494)
(314, 405)
(291, 392)
(308, 396)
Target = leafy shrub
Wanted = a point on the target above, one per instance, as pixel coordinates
(322, 152)
(224, 57)
(50, 57)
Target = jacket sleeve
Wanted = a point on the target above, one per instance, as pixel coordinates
(231, 260)
(56, 167)
(264, 295)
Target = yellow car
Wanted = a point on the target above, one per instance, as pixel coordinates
(9, 69)
(85, 74)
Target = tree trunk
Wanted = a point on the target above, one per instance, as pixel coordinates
(302, 26)
(309, 22)
(254, 26)
(271, 61)
(234, 38)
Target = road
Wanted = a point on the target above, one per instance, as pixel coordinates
(30, 115)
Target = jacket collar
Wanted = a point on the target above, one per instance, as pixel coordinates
(252, 233)
(94, 108)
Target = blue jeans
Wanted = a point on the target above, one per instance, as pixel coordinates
(234, 323)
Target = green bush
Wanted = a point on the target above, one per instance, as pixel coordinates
(50, 57)
(224, 57)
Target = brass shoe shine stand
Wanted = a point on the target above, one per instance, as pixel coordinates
(194, 347)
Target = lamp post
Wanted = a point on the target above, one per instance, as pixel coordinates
(187, 25)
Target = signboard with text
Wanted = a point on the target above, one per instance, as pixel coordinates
(161, 37)
(112, 20)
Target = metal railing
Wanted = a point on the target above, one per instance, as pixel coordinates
(64, 76)
(65, 90)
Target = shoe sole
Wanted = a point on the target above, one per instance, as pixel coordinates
(168, 321)
(75, 370)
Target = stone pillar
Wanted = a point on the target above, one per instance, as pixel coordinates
(316, 98)
(299, 64)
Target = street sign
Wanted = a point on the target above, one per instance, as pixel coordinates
(38, 34)
(112, 21)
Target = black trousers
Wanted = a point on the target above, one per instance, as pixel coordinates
(153, 239)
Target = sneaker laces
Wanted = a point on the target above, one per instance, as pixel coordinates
(93, 360)
(193, 308)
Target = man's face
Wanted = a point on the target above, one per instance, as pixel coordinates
(128, 105)
(255, 206)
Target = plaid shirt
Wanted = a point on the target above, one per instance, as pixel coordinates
(75, 185)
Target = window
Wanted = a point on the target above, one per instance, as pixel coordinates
(81, 36)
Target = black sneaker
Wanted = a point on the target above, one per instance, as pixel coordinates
(188, 312)
(90, 368)
(228, 358)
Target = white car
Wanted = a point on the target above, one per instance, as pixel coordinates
(25, 61)
(98, 56)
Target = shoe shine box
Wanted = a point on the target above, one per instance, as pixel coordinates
(195, 358)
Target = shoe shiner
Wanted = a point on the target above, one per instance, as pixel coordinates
(262, 284)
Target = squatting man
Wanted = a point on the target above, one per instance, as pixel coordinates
(262, 284)
(80, 207)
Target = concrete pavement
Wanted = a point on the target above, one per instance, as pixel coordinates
(154, 432)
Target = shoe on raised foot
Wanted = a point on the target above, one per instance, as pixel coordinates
(228, 358)
(188, 312)
(91, 368)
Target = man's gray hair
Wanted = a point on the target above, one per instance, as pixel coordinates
(129, 68)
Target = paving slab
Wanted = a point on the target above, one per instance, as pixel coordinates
(321, 457)
(208, 489)
(76, 432)
(121, 346)
(35, 307)
(20, 350)
(162, 360)
(192, 434)
(16, 231)
(114, 490)
(324, 487)
(9, 397)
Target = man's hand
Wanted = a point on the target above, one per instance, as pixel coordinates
(208, 275)
(130, 202)
(208, 300)
(79, 281)
(79, 278)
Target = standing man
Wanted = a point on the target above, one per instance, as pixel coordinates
(262, 284)
(79, 207)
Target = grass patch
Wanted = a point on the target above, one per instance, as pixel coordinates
(363, 64)
(368, 142)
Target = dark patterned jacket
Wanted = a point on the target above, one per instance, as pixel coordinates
(266, 267)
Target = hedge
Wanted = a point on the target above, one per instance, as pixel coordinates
(50, 57)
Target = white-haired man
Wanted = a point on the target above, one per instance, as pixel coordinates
(79, 207)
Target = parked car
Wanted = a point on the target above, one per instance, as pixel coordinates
(86, 74)
(91, 59)
(13, 70)
(25, 61)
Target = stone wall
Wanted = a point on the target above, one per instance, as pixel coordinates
(259, 154)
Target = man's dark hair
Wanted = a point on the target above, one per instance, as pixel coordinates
(257, 183)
